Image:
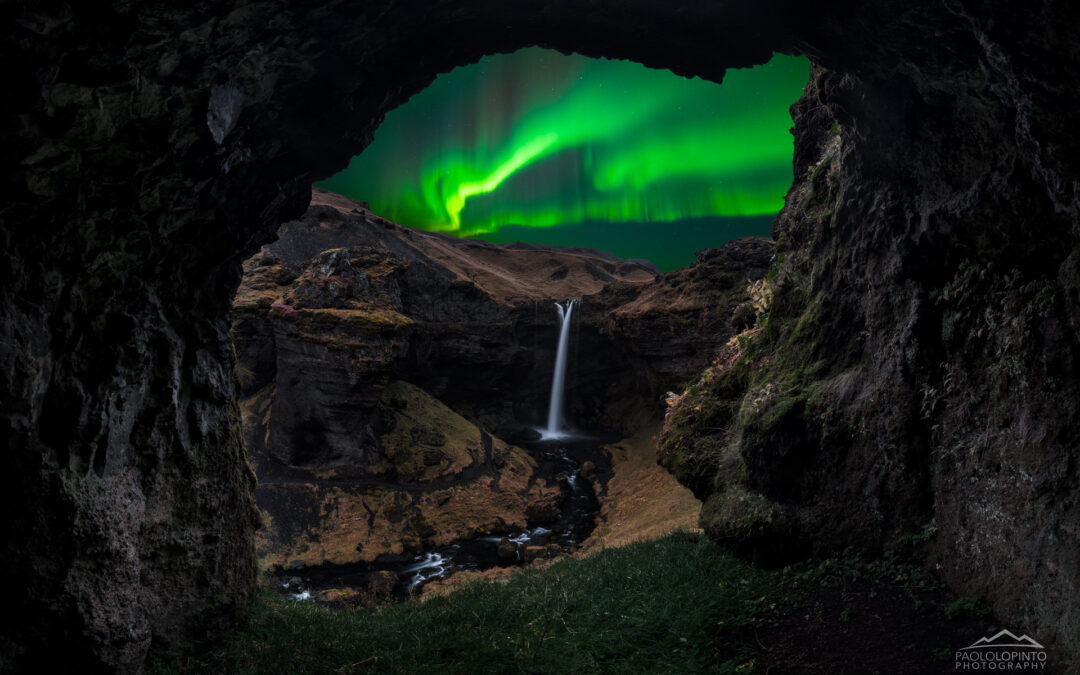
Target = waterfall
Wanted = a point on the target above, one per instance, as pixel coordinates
(555, 422)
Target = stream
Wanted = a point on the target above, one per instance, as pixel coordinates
(577, 518)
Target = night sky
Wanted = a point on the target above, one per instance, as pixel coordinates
(541, 147)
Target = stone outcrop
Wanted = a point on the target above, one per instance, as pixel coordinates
(911, 380)
(151, 148)
(438, 478)
(668, 330)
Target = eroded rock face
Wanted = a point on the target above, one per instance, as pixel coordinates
(151, 148)
(438, 478)
(345, 451)
(912, 382)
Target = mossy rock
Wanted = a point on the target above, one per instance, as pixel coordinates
(744, 316)
(425, 439)
(752, 525)
(738, 514)
(778, 445)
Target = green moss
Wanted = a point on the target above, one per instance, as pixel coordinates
(730, 468)
(762, 410)
(737, 514)
(693, 441)
(975, 608)
(808, 325)
(817, 171)
(778, 411)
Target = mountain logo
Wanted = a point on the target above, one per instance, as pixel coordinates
(1004, 638)
(1002, 651)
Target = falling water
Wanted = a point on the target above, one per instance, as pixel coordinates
(555, 423)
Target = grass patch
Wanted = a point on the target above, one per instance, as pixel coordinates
(677, 604)
(673, 605)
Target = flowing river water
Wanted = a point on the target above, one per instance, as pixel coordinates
(559, 460)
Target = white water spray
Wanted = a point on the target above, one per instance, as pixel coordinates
(556, 428)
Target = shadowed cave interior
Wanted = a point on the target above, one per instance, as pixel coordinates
(917, 371)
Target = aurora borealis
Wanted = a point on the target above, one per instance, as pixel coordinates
(581, 151)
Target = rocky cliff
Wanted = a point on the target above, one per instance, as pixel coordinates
(438, 478)
(331, 317)
(345, 302)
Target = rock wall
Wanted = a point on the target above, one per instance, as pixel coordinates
(151, 147)
(911, 383)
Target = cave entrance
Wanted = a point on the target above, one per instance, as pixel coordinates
(154, 146)
(405, 299)
(180, 163)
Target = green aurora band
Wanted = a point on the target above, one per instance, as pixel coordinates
(537, 139)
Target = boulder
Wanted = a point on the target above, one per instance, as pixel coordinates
(588, 470)
(381, 584)
(506, 549)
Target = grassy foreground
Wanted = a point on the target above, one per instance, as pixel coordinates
(678, 604)
(675, 604)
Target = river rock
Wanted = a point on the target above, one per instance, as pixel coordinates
(544, 510)
(506, 549)
(531, 553)
(381, 584)
(338, 596)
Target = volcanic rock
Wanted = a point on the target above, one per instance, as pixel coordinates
(333, 317)
(588, 470)
(381, 583)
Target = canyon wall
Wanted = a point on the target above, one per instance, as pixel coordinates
(353, 334)
(345, 302)
(913, 373)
